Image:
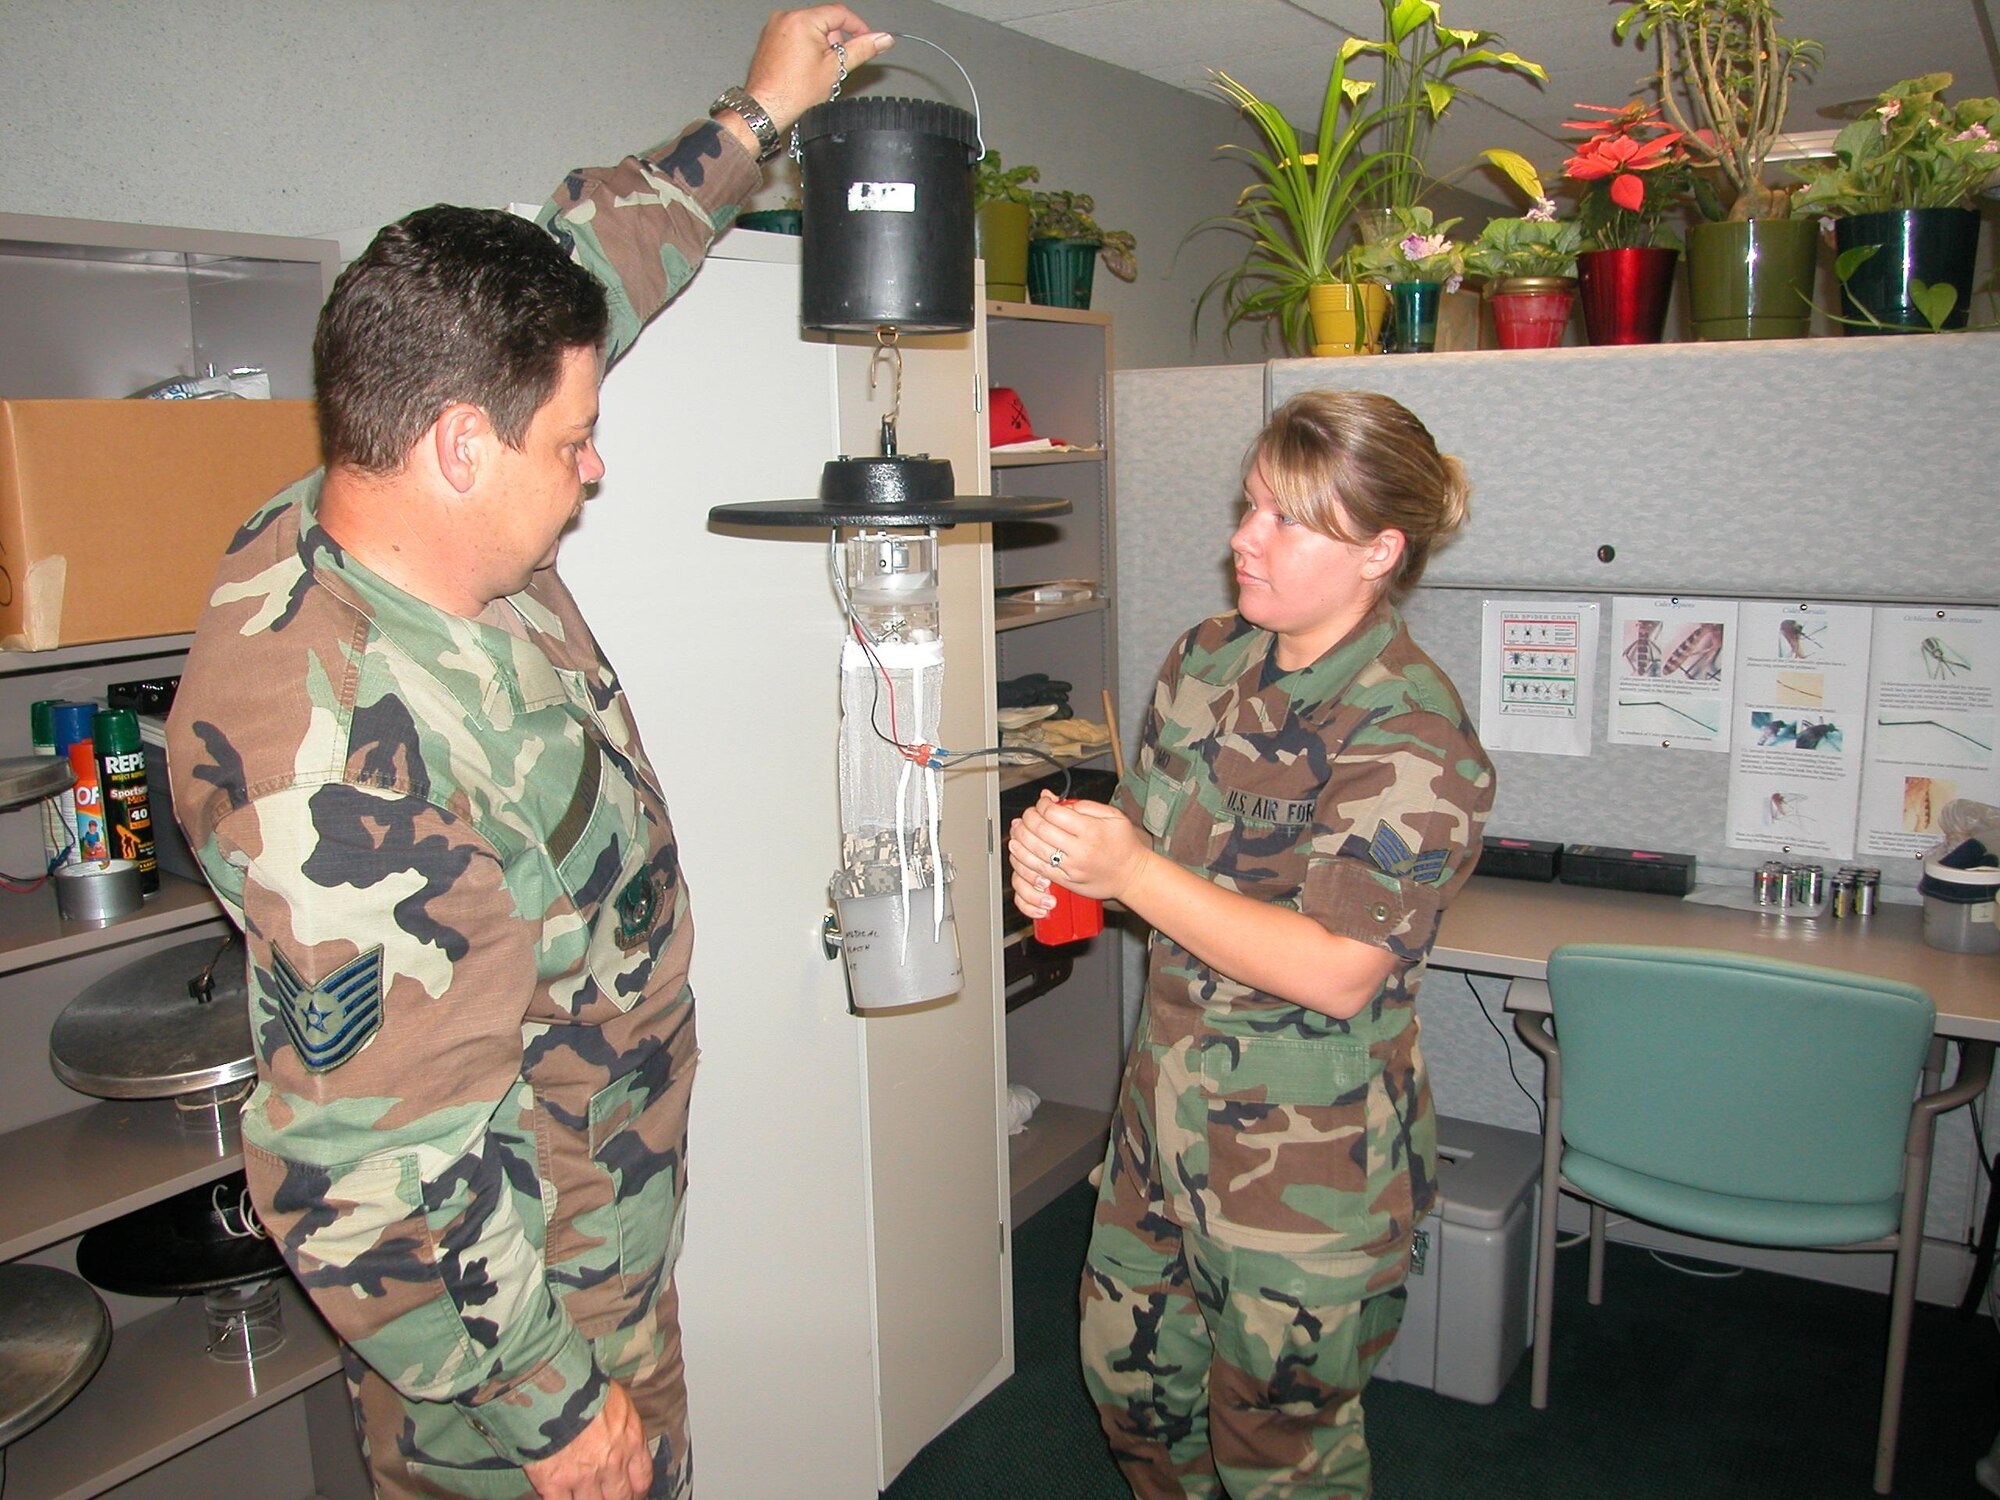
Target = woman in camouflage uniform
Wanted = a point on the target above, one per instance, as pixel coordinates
(1307, 797)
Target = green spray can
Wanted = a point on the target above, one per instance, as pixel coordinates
(128, 817)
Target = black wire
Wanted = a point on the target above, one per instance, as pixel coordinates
(957, 757)
(1507, 1051)
(1979, 1141)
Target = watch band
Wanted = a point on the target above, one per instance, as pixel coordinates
(753, 114)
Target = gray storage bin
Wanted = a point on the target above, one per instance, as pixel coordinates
(1471, 1286)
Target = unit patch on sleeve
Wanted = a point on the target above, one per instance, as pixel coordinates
(1393, 857)
(330, 1021)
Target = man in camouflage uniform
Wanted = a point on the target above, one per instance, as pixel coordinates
(413, 780)
(1270, 1157)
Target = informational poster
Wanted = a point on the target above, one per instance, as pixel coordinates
(1801, 723)
(1673, 664)
(1931, 718)
(1538, 664)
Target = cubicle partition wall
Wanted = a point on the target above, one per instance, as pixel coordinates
(1826, 471)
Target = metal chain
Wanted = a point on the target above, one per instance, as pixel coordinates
(840, 56)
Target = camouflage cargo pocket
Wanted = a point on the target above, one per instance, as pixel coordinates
(638, 1136)
(1170, 788)
(620, 896)
(1293, 1132)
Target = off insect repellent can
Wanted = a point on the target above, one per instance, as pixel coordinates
(128, 817)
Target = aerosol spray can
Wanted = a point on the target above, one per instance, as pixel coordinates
(82, 812)
(59, 811)
(128, 817)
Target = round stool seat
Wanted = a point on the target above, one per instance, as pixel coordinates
(200, 1240)
(29, 778)
(142, 1032)
(53, 1335)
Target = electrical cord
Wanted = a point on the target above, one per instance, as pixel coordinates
(931, 757)
(1507, 1051)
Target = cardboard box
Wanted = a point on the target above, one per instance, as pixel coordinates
(114, 514)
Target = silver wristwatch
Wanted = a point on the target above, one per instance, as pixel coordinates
(753, 114)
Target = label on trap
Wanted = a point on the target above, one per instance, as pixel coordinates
(881, 197)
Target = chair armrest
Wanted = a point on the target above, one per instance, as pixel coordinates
(1975, 1072)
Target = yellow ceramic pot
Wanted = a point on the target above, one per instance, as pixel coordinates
(1336, 330)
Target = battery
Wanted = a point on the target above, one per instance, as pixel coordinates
(1808, 885)
(1769, 883)
(1867, 887)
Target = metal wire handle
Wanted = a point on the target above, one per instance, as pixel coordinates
(840, 52)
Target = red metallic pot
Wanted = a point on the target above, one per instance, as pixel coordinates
(1531, 312)
(1625, 294)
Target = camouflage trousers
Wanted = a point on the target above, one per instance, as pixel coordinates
(1224, 1358)
(427, 1450)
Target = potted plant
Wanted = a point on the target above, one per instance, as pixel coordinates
(787, 218)
(1419, 263)
(1421, 56)
(1631, 169)
(1750, 270)
(1529, 265)
(1000, 204)
(1065, 242)
(1899, 188)
(1297, 216)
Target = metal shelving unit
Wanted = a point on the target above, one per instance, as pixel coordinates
(96, 311)
(1063, 1006)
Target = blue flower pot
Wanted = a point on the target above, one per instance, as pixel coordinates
(1413, 317)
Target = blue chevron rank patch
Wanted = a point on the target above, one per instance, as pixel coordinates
(330, 1021)
(1392, 856)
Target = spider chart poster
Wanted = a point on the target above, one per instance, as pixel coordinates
(1801, 720)
(1671, 670)
(1931, 714)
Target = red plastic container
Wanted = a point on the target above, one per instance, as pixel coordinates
(1074, 918)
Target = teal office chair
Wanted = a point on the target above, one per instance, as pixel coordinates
(1737, 1099)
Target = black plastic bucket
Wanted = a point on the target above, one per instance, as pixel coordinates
(888, 216)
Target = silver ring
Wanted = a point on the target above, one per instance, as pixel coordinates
(1055, 860)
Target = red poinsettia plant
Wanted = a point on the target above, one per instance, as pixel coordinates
(1632, 168)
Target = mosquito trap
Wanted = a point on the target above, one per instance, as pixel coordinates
(887, 249)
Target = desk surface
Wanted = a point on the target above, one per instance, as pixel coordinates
(1511, 926)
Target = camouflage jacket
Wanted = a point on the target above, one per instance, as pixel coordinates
(1352, 790)
(467, 926)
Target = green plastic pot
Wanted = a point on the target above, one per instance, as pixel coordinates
(773, 220)
(1752, 278)
(1060, 272)
(1000, 238)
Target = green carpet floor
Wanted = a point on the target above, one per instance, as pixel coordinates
(1756, 1386)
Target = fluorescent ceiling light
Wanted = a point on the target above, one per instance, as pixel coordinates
(1797, 145)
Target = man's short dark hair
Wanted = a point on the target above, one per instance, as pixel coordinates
(447, 305)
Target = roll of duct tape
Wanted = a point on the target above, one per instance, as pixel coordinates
(98, 890)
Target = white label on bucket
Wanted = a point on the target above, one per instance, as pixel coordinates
(1980, 911)
(881, 197)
